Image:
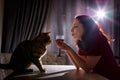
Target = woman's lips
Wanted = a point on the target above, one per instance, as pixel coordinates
(72, 34)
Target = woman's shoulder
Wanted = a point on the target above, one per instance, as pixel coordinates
(96, 47)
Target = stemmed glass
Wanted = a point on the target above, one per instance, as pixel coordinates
(60, 37)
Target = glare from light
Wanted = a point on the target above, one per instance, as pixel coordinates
(100, 14)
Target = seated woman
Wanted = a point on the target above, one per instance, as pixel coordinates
(94, 52)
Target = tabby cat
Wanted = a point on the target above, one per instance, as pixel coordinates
(28, 52)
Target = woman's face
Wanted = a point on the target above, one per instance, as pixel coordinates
(77, 30)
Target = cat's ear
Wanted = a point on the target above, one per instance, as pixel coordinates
(48, 33)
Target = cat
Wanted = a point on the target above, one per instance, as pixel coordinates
(28, 52)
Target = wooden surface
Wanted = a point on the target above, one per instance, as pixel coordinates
(58, 72)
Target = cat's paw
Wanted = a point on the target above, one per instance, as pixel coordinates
(42, 70)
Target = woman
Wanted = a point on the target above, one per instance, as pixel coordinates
(94, 52)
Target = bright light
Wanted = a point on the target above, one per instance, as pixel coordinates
(100, 14)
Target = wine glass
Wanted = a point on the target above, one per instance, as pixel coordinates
(60, 37)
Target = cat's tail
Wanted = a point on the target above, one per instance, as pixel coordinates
(4, 66)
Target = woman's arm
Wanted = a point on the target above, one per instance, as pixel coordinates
(87, 63)
(72, 60)
(79, 61)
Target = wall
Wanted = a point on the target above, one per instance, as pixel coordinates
(1, 19)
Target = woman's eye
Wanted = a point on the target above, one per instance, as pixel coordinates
(75, 26)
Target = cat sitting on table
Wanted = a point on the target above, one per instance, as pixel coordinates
(28, 52)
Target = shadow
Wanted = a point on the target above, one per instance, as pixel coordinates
(61, 75)
(71, 74)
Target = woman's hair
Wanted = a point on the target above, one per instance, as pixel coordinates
(91, 30)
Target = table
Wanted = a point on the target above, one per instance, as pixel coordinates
(58, 72)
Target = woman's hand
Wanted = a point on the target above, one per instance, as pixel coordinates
(62, 45)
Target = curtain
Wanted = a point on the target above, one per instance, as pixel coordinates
(117, 28)
(23, 20)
